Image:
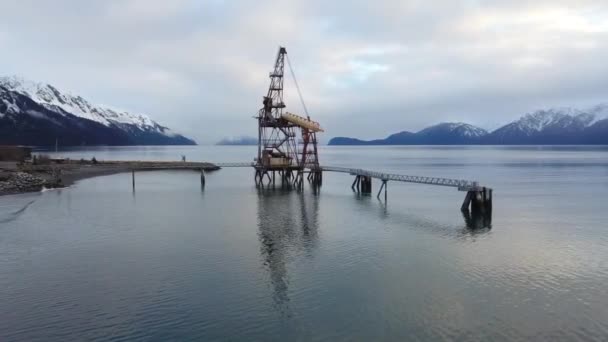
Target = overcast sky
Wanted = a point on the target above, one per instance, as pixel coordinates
(366, 68)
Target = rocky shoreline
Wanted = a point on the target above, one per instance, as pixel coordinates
(21, 178)
(19, 182)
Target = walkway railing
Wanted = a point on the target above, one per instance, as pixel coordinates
(234, 164)
(461, 184)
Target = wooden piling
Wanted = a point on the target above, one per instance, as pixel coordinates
(366, 184)
(476, 203)
(490, 202)
(467, 201)
(480, 203)
(133, 178)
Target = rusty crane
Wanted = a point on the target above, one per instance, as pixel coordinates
(287, 143)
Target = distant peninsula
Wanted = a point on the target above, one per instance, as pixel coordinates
(238, 141)
(563, 126)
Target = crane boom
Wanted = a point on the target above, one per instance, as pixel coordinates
(302, 122)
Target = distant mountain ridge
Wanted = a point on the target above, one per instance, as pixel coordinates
(39, 114)
(556, 126)
(551, 127)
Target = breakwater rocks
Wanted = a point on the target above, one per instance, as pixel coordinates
(18, 182)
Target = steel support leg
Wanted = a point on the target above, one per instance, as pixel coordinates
(381, 188)
(385, 191)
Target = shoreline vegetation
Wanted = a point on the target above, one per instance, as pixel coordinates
(17, 178)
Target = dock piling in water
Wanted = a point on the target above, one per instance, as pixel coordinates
(383, 187)
(366, 185)
(478, 205)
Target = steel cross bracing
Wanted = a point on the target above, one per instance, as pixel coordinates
(253, 164)
(461, 184)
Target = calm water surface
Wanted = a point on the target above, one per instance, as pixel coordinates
(171, 262)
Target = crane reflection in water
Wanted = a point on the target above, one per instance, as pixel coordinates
(287, 229)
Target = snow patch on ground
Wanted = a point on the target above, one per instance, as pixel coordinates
(10, 108)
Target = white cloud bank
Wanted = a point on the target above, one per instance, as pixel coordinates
(366, 68)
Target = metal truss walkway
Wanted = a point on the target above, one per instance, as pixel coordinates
(461, 184)
(478, 198)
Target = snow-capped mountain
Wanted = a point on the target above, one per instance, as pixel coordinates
(454, 131)
(552, 126)
(447, 133)
(56, 107)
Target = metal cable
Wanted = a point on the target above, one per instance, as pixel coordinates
(297, 87)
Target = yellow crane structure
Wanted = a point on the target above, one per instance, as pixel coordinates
(302, 122)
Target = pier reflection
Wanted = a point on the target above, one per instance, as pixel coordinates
(475, 223)
(287, 230)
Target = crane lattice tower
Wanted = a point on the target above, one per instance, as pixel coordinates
(278, 149)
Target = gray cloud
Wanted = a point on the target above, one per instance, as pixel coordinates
(365, 68)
